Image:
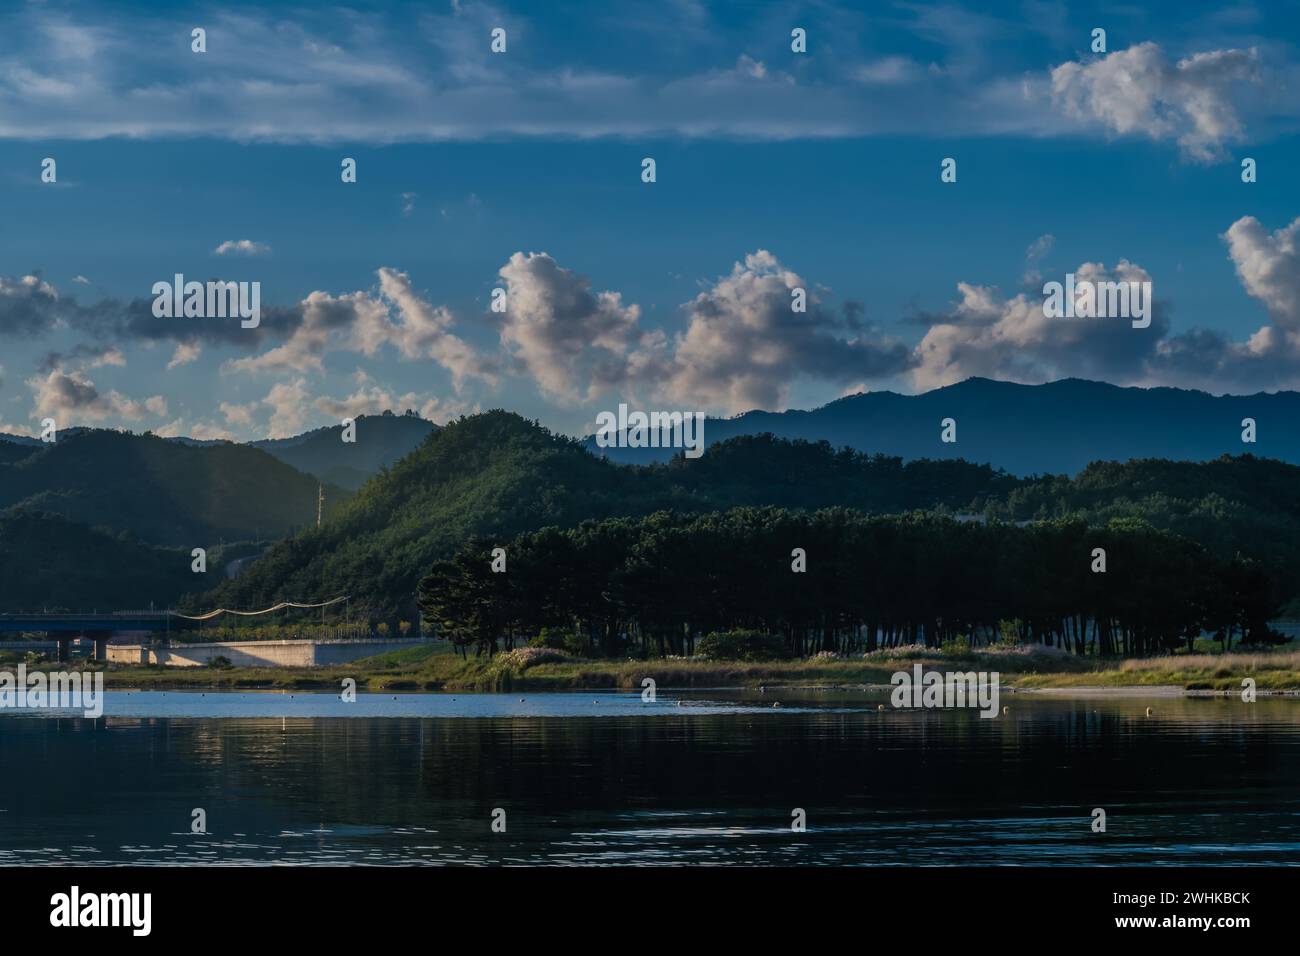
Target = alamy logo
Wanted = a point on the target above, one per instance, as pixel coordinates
(655, 430)
(103, 909)
(210, 300)
(1086, 299)
(932, 689)
(56, 690)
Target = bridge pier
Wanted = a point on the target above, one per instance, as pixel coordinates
(64, 643)
(101, 643)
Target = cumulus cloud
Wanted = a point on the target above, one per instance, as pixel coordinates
(364, 322)
(373, 399)
(287, 402)
(238, 415)
(1196, 100)
(988, 334)
(71, 398)
(242, 247)
(1269, 267)
(184, 354)
(574, 342)
(322, 319)
(744, 345)
(1009, 338)
(289, 407)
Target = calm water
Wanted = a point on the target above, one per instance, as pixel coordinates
(604, 779)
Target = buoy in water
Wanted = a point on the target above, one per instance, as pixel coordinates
(776, 704)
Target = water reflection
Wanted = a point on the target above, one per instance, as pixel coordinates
(713, 781)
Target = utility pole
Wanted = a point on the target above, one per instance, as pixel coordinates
(320, 501)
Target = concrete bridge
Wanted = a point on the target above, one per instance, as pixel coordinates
(61, 629)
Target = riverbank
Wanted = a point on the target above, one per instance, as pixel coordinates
(434, 667)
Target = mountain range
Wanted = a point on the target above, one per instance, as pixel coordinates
(408, 493)
(1057, 428)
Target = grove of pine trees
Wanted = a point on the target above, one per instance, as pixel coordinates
(653, 585)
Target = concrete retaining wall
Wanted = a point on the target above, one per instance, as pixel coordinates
(255, 653)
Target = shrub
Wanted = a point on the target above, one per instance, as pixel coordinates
(553, 637)
(741, 645)
(957, 647)
(220, 662)
(561, 639)
(527, 656)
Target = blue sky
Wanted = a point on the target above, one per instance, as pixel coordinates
(522, 170)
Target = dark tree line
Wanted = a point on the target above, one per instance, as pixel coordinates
(653, 585)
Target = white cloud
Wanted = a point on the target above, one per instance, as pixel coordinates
(372, 399)
(287, 401)
(242, 247)
(71, 398)
(426, 75)
(365, 322)
(744, 345)
(573, 342)
(238, 415)
(1139, 91)
(989, 335)
(1269, 267)
(184, 354)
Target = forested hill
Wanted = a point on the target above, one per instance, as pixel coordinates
(49, 563)
(1232, 505)
(380, 441)
(159, 491)
(497, 474)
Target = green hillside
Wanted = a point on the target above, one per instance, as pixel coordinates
(163, 492)
(1232, 505)
(497, 474)
(49, 562)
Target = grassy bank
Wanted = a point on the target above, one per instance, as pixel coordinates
(434, 667)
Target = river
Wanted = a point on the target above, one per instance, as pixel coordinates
(606, 778)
